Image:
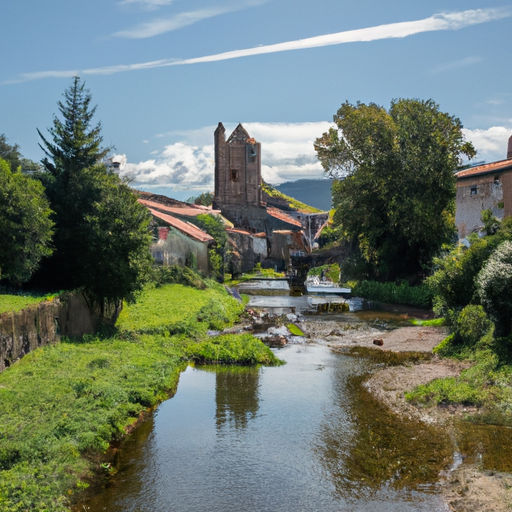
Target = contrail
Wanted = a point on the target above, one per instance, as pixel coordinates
(437, 22)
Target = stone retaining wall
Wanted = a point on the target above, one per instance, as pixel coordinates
(44, 323)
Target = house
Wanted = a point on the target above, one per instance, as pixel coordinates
(484, 187)
(179, 242)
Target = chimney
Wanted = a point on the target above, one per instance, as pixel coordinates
(509, 151)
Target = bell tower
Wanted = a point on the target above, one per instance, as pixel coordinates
(237, 169)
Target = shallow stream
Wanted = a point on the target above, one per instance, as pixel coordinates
(306, 436)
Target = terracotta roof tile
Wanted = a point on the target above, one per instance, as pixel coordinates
(186, 210)
(500, 165)
(184, 227)
(279, 214)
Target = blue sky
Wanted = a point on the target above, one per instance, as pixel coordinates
(164, 73)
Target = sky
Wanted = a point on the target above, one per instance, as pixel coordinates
(164, 73)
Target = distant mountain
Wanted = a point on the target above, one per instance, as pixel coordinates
(316, 193)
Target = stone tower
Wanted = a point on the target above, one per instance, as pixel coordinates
(237, 170)
(509, 151)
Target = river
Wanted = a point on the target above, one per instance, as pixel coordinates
(305, 436)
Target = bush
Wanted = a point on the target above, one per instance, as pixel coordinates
(232, 348)
(419, 296)
(495, 288)
(453, 283)
(174, 274)
(472, 325)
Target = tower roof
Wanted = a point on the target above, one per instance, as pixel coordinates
(239, 134)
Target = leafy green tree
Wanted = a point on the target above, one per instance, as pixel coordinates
(394, 192)
(25, 225)
(205, 199)
(115, 262)
(102, 238)
(11, 154)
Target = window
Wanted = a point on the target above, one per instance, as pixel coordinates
(474, 190)
(234, 175)
(252, 153)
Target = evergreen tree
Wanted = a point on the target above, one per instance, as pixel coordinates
(76, 144)
(102, 238)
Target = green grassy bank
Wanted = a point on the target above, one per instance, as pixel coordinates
(18, 302)
(392, 293)
(61, 406)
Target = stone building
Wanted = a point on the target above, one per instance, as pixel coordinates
(240, 198)
(237, 175)
(484, 187)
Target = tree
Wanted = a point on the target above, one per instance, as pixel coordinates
(25, 225)
(394, 192)
(75, 147)
(102, 238)
(116, 239)
(76, 144)
(11, 154)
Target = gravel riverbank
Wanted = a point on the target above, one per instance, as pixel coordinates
(465, 487)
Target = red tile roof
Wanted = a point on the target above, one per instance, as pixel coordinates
(187, 210)
(185, 227)
(245, 232)
(279, 214)
(500, 165)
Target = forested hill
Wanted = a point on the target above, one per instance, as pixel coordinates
(316, 193)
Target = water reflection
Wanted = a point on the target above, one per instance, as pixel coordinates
(382, 452)
(236, 395)
(301, 437)
(486, 445)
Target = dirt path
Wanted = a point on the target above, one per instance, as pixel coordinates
(466, 488)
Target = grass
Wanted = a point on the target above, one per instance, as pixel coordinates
(292, 203)
(417, 296)
(18, 302)
(62, 405)
(436, 322)
(174, 307)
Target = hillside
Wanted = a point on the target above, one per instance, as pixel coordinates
(316, 193)
(274, 197)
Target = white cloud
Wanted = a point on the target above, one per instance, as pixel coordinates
(491, 144)
(450, 21)
(468, 61)
(287, 155)
(148, 4)
(183, 19)
(160, 26)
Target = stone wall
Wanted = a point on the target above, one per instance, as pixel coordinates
(43, 324)
(474, 195)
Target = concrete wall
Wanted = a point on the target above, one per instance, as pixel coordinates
(43, 324)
